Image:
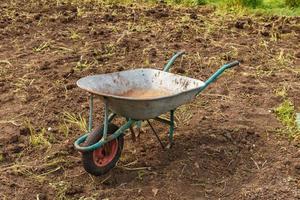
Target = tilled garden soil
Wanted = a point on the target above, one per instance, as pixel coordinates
(227, 141)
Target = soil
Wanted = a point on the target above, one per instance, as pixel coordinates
(146, 93)
(227, 141)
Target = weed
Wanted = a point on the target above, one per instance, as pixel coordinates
(21, 86)
(269, 7)
(108, 49)
(292, 3)
(210, 28)
(185, 19)
(43, 46)
(264, 44)
(80, 12)
(141, 174)
(132, 27)
(286, 114)
(283, 59)
(61, 189)
(37, 138)
(281, 92)
(23, 83)
(82, 65)
(77, 120)
(274, 36)
(26, 170)
(35, 170)
(184, 114)
(64, 129)
(74, 35)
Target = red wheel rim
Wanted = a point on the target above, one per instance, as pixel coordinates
(104, 155)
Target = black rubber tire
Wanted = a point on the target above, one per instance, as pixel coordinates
(87, 157)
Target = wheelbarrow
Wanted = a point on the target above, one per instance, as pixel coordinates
(137, 95)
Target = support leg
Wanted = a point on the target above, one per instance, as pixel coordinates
(106, 120)
(156, 135)
(171, 131)
(133, 137)
(139, 128)
(91, 113)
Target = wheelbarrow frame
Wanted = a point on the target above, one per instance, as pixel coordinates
(130, 122)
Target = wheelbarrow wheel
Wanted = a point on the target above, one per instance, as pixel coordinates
(100, 161)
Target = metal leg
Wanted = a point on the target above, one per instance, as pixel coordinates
(91, 113)
(171, 132)
(132, 134)
(156, 135)
(106, 121)
(139, 128)
(111, 117)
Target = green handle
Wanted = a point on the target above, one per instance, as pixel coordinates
(217, 74)
(172, 60)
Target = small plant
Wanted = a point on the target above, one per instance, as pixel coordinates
(37, 138)
(61, 189)
(82, 65)
(286, 114)
(282, 59)
(80, 12)
(43, 46)
(281, 92)
(74, 35)
(64, 129)
(77, 120)
(21, 86)
(108, 49)
(23, 83)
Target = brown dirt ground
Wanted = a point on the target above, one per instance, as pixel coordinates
(226, 141)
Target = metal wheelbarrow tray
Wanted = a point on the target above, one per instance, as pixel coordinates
(142, 93)
(139, 94)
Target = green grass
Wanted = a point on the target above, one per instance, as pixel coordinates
(292, 3)
(285, 112)
(279, 7)
(242, 3)
(269, 7)
(37, 138)
(76, 120)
